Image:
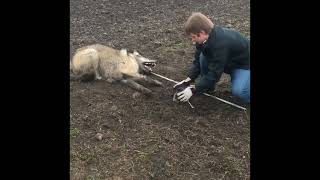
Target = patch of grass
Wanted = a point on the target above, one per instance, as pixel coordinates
(74, 132)
(86, 156)
(179, 45)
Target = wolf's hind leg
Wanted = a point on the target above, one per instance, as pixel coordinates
(96, 63)
(97, 75)
(131, 83)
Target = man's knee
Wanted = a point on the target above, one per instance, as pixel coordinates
(237, 91)
(241, 92)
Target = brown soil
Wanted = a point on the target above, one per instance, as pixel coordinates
(154, 137)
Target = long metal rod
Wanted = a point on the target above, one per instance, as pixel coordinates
(165, 77)
(240, 107)
(230, 103)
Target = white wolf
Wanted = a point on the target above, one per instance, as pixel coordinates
(101, 62)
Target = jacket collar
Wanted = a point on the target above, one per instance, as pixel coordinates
(211, 39)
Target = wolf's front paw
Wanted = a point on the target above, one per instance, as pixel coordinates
(158, 83)
(147, 92)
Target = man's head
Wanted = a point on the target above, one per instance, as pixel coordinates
(198, 27)
(199, 38)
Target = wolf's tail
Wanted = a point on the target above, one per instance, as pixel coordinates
(84, 77)
(73, 76)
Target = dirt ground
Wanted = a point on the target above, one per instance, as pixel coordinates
(154, 137)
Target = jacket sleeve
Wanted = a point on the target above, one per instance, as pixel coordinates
(195, 70)
(216, 66)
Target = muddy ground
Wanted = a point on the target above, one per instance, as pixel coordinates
(154, 137)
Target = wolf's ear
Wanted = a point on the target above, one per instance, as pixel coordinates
(135, 52)
(123, 52)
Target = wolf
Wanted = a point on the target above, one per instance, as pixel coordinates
(101, 62)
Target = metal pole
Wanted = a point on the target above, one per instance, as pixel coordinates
(230, 103)
(164, 77)
(240, 107)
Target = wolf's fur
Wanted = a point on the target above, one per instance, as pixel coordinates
(101, 62)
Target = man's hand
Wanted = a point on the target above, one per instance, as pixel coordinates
(185, 81)
(185, 95)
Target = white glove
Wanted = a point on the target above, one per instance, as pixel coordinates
(185, 95)
(181, 82)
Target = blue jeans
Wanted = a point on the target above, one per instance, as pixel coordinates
(240, 80)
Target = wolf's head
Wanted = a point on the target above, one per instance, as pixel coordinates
(145, 64)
